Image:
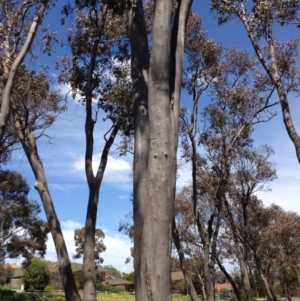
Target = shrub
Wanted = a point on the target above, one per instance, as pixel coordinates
(107, 288)
(278, 289)
(49, 288)
(181, 287)
(36, 274)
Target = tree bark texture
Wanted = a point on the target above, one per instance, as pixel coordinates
(9, 82)
(176, 239)
(229, 278)
(269, 291)
(30, 148)
(156, 93)
(94, 184)
(89, 286)
(245, 275)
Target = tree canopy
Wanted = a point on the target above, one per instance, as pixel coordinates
(23, 233)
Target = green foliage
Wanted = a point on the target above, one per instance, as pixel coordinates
(34, 297)
(4, 287)
(36, 274)
(61, 297)
(49, 288)
(100, 247)
(279, 289)
(130, 277)
(107, 288)
(118, 6)
(181, 287)
(19, 215)
(113, 272)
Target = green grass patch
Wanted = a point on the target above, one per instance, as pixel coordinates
(54, 296)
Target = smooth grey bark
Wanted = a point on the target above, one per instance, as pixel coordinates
(273, 72)
(140, 63)
(88, 268)
(156, 106)
(176, 239)
(245, 275)
(30, 148)
(94, 184)
(161, 160)
(268, 288)
(9, 81)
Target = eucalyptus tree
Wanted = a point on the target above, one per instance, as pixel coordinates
(34, 108)
(30, 106)
(277, 58)
(79, 235)
(275, 250)
(237, 102)
(19, 24)
(22, 232)
(156, 95)
(98, 71)
(252, 173)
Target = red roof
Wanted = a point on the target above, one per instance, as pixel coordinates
(176, 276)
(225, 285)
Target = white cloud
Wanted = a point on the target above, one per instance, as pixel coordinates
(117, 247)
(117, 170)
(71, 225)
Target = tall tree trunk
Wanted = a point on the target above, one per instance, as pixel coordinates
(162, 160)
(30, 148)
(201, 283)
(270, 293)
(229, 278)
(191, 289)
(139, 74)
(156, 108)
(89, 288)
(245, 275)
(88, 268)
(94, 183)
(207, 274)
(9, 82)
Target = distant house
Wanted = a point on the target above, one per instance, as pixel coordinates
(223, 286)
(177, 276)
(16, 279)
(119, 283)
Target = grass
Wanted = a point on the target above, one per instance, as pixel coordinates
(126, 297)
(51, 296)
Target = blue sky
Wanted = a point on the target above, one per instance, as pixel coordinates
(63, 156)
